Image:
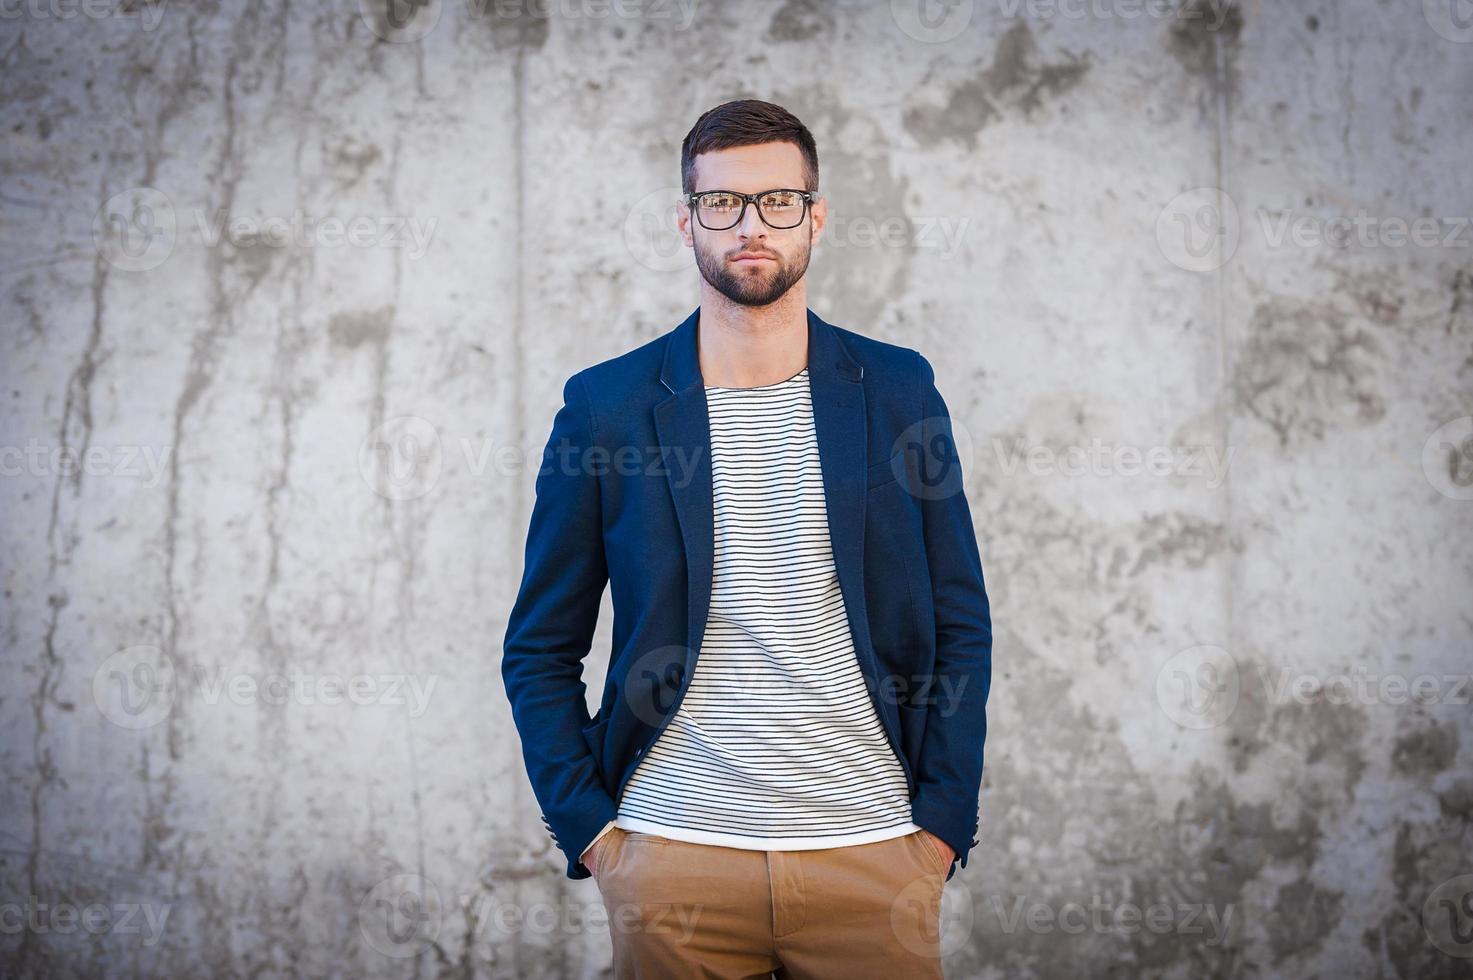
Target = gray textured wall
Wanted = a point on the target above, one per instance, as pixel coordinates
(1199, 289)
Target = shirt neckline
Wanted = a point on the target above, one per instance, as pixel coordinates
(775, 384)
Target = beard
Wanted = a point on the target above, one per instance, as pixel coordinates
(753, 285)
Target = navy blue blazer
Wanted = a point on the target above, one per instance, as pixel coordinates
(624, 498)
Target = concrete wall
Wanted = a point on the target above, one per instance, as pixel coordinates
(1220, 458)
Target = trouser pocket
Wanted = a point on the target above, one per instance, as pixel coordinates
(938, 863)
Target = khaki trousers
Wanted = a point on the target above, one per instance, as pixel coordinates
(679, 910)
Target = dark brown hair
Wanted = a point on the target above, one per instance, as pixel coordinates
(746, 122)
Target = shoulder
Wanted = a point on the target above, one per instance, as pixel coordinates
(872, 352)
(885, 364)
(636, 363)
(622, 387)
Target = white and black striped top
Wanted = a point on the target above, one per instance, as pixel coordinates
(776, 744)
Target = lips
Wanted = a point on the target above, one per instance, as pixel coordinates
(745, 257)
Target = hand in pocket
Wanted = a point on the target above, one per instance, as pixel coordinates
(592, 856)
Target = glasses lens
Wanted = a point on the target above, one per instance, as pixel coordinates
(782, 209)
(718, 211)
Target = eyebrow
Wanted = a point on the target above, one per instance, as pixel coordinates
(765, 190)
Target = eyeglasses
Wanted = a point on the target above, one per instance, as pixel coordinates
(720, 210)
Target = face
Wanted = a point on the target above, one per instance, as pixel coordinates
(783, 252)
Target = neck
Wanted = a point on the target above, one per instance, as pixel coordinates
(746, 346)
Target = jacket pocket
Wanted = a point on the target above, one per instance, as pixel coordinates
(593, 737)
(885, 471)
(913, 728)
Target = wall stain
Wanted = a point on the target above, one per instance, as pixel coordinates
(1304, 916)
(1426, 751)
(1198, 30)
(1174, 540)
(351, 330)
(523, 26)
(800, 20)
(1422, 857)
(1016, 80)
(1275, 720)
(352, 159)
(1307, 369)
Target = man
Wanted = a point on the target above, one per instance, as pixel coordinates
(786, 760)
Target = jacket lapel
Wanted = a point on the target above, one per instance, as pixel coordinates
(684, 431)
(685, 446)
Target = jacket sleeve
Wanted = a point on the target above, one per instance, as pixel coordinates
(949, 780)
(596, 837)
(550, 630)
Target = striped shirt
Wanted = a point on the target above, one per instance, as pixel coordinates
(776, 744)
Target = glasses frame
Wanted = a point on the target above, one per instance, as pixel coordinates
(752, 199)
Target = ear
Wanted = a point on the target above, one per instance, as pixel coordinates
(819, 210)
(683, 219)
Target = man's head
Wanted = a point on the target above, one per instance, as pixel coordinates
(750, 147)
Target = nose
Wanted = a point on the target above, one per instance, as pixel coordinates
(752, 227)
